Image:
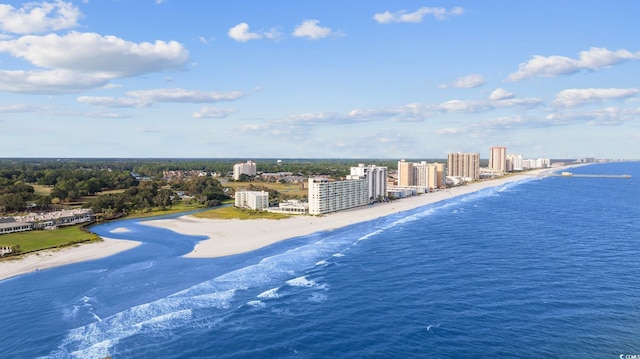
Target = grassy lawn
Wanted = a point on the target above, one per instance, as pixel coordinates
(37, 240)
(171, 210)
(237, 213)
(290, 189)
(41, 190)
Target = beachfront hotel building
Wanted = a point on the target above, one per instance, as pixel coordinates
(327, 196)
(256, 200)
(498, 158)
(248, 168)
(423, 174)
(465, 165)
(514, 162)
(376, 178)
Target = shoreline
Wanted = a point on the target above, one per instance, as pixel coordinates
(233, 236)
(34, 262)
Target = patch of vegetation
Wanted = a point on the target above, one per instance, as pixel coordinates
(31, 241)
(170, 210)
(230, 212)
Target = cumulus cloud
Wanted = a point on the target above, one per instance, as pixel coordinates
(214, 112)
(467, 82)
(310, 29)
(241, 33)
(596, 58)
(109, 56)
(439, 13)
(577, 97)
(500, 94)
(49, 82)
(39, 17)
(79, 61)
(144, 98)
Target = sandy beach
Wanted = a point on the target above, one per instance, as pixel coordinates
(227, 237)
(68, 255)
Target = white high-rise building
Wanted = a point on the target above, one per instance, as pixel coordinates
(376, 178)
(331, 196)
(514, 162)
(256, 200)
(248, 168)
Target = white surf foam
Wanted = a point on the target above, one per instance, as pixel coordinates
(301, 281)
(269, 294)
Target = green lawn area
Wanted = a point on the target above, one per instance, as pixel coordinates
(37, 240)
(230, 212)
(41, 190)
(177, 208)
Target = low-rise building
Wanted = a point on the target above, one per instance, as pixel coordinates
(256, 200)
(10, 225)
(291, 207)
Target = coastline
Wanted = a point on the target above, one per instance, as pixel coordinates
(228, 237)
(233, 236)
(34, 262)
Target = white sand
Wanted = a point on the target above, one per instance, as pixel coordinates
(55, 258)
(227, 237)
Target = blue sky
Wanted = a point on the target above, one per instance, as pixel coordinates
(319, 79)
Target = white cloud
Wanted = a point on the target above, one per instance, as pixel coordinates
(144, 98)
(594, 59)
(610, 116)
(467, 82)
(182, 95)
(241, 33)
(39, 17)
(214, 112)
(108, 56)
(439, 13)
(79, 61)
(49, 82)
(112, 101)
(310, 29)
(500, 94)
(577, 97)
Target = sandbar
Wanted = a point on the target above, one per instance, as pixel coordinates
(33, 262)
(234, 236)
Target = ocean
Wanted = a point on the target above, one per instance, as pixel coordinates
(542, 268)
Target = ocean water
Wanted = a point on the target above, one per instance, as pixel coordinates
(543, 268)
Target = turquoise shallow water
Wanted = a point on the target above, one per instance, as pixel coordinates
(542, 268)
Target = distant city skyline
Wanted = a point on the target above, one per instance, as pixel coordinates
(284, 79)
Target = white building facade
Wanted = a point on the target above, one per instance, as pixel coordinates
(376, 178)
(331, 196)
(256, 200)
(248, 168)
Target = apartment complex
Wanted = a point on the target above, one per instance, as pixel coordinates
(376, 178)
(498, 158)
(248, 168)
(256, 200)
(466, 165)
(514, 162)
(421, 174)
(327, 196)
